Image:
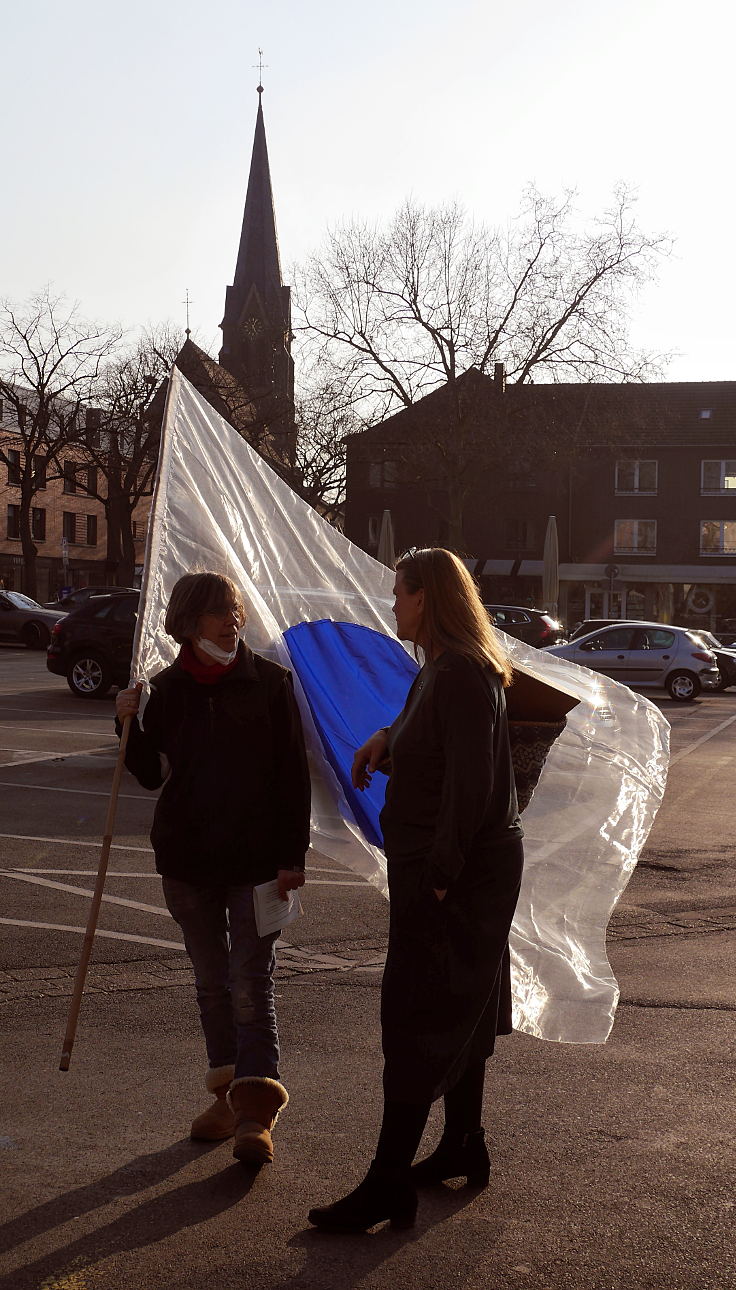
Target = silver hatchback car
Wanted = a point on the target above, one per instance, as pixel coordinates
(646, 654)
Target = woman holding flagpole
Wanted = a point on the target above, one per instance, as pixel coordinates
(453, 845)
(221, 732)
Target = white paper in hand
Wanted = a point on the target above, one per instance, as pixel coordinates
(273, 913)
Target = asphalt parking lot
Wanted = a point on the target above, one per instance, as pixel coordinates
(611, 1164)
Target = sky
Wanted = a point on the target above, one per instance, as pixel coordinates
(127, 133)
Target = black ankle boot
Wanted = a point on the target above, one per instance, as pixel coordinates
(383, 1194)
(455, 1157)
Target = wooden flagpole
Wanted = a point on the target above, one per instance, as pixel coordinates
(89, 935)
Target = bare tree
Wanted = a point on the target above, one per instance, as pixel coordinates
(50, 359)
(123, 437)
(402, 310)
(325, 416)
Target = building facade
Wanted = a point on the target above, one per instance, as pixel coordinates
(641, 480)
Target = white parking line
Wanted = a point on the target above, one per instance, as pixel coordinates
(74, 842)
(84, 891)
(113, 936)
(684, 752)
(49, 712)
(92, 734)
(121, 846)
(85, 792)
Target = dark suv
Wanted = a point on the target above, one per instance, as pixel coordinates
(530, 625)
(92, 646)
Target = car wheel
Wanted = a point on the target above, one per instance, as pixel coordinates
(35, 636)
(88, 677)
(683, 686)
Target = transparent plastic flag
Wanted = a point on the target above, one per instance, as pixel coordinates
(218, 505)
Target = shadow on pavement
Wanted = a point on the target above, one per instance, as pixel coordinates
(338, 1262)
(149, 1223)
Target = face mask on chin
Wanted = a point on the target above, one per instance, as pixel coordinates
(214, 651)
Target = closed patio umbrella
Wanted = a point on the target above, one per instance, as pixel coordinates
(551, 568)
(386, 553)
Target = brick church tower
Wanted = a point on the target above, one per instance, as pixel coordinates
(256, 327)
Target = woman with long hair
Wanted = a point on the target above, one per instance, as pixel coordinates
(452, 837)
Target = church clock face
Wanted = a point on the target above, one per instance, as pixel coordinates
(251, 328)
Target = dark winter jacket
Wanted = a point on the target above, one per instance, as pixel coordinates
(235, 802)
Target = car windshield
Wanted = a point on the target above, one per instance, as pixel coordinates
(20, 601)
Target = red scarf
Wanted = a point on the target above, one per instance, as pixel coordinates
(204, 673)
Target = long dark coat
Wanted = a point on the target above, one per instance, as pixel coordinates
(450, 821)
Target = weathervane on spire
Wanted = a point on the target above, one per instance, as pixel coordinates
(187, 302)
(260, 65)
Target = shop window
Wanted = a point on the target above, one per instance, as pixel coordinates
(718, 477)
(635, 537)
(636, 476)
(13, 456)
(718, 537)
(38, 524)
(13, 529)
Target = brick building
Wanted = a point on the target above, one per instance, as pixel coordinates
(639, 478)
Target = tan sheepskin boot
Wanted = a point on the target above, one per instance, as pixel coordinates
(218, 1121)
(256, 1103)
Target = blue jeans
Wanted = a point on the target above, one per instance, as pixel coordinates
(233, 974)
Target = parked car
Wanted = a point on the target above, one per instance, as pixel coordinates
(92, 647)
(725, 657)
(24, 622)
(530, 625)
(589, 625)
(647, 654)
(75, 599)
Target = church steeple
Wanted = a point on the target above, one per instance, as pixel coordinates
(256, 327)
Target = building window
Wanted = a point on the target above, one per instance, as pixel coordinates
(717, 477)
(635, 537)
(69, 526)
(91, 479)
(383, 474)
(92, 418)
(13, 521)
(91, 530)
(636, 476)
(13, 456)
(39, 470)
(518, 533)
(38, 524)
(718, 537)
(70, 476)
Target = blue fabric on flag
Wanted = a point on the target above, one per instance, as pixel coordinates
(356, 681)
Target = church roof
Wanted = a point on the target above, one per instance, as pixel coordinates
(258, 262)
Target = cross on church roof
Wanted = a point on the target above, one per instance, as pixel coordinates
(260, 65)
(187, 302)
